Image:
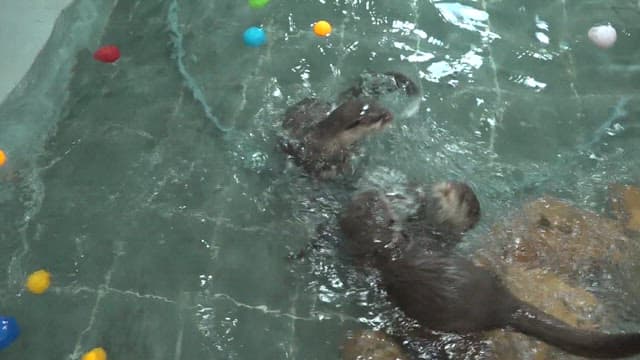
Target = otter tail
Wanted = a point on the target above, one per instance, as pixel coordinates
(592, 344)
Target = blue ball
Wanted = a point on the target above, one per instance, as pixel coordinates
(9, 331)
(254, 37)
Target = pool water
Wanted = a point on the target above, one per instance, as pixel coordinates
(154, 192)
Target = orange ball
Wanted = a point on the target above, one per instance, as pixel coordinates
(38, 282)
(95, 354)
(322, 28)
(3, 157)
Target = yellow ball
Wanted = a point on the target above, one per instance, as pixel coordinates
(95, 354)
(322, 28)
(3, 158)
(38, 282)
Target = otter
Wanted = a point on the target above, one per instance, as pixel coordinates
(371, 229)
(448, 211)
(446, 292)
(379, 84)
(322, 141)
(449, 293)
(374, 229)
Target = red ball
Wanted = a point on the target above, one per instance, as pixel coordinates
(107, 53)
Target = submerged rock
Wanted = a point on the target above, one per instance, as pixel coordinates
(552, 234)
(371, 345)
(625, 203)
(546, 253)
(550, 293)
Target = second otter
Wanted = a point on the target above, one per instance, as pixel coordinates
(445, 292)
(372, 84)
(321, 141)
(374, 231)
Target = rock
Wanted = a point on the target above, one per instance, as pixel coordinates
(545, 254)
(543, 289)
(625, 203)
(552, 234)
(550, 293)
(371, 345)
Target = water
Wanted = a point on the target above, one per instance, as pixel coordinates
(153, 190)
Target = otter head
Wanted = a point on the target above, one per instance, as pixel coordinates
(370, 228)
(379, 84)
(351, 122)
(401, 81)
(458, 208)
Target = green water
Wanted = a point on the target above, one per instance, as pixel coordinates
(168, 237)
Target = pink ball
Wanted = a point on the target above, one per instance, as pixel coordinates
(604, 36)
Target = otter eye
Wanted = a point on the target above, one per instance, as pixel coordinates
(364, 110)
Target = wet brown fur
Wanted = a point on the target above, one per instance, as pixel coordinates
(321, 141)
(446, 292)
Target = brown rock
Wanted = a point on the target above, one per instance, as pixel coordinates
(625, 202)
(541, 253)
(550, 293)
(371, 345)
(552, 234)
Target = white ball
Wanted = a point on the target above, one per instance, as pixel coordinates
(604, 36)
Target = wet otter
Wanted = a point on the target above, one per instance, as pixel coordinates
(445, 292)
(381, 85)
(378, 84)
(444, 215)
(371, 229)
(322, 140)
(449, 293)
(374, 229)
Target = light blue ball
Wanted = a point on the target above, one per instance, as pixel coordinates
(254, 37)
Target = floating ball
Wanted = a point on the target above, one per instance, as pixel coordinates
(38, 282)
(95, 354)
(257, 4)
(9, 331)
(604, 36)
(322, 28)
(3, 158)
(107, 54)
(254, 37)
